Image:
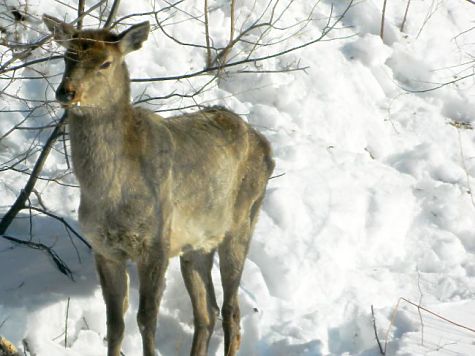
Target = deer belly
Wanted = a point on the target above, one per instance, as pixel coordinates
(203, 232)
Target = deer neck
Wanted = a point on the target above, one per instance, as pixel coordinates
(98, 141)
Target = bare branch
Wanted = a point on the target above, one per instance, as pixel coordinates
(80, 12)
(149, 13)
(4, 69)
(373, 320)
(63, 221)
(27, 52)
(439, 86)
(208, 45)
(60, 264)
(419, 307)
(231, 33)
(25, 193)
(381, 33)
(160, 26)
(112, 14)
(325, 32)
(405, 15)
(66, 324)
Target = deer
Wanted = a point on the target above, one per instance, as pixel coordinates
(152, 188)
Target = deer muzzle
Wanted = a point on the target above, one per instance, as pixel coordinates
(67, 94)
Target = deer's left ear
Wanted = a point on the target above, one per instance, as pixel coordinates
(132, 39)
(61, 31)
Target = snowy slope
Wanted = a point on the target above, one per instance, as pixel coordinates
(372, 200)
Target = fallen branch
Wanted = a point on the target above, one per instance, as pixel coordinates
(7, 348)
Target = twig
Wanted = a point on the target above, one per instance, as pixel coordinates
(373, 319)
(3, 322)
(405, 15)
(381, 33)
(438, 86)
(112, 14)
(464, 166)
(19, 204)
(231, 33)
(432, 11)
(155, 13)
(26, 347)
(419, 307)
(208, 45)
(29, 63)
(439, 316)
(277, 176)
(60, 264)
(64, 222)
(391, 323)
(66, 324)
(80, 12)
(24, 54)
(176, 40)
(250, 60)
(85, 323)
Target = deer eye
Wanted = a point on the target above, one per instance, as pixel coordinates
(105, 65)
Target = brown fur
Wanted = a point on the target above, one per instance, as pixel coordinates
(153, 188)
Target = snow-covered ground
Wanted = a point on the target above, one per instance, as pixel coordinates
(372, 202)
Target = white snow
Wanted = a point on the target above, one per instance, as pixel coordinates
(372, 200)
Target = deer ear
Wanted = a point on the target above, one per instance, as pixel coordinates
(132, 39)
(61, 31)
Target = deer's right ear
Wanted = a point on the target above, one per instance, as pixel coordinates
(62, 32)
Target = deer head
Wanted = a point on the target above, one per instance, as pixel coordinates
(95, 73)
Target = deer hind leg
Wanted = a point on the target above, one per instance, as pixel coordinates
(151, 269)
(114, 282)
(196, 270)
(232, 254)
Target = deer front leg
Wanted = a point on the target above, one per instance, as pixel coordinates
(151, 269)
(114, 282)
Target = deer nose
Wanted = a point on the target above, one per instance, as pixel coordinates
(65, 94)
